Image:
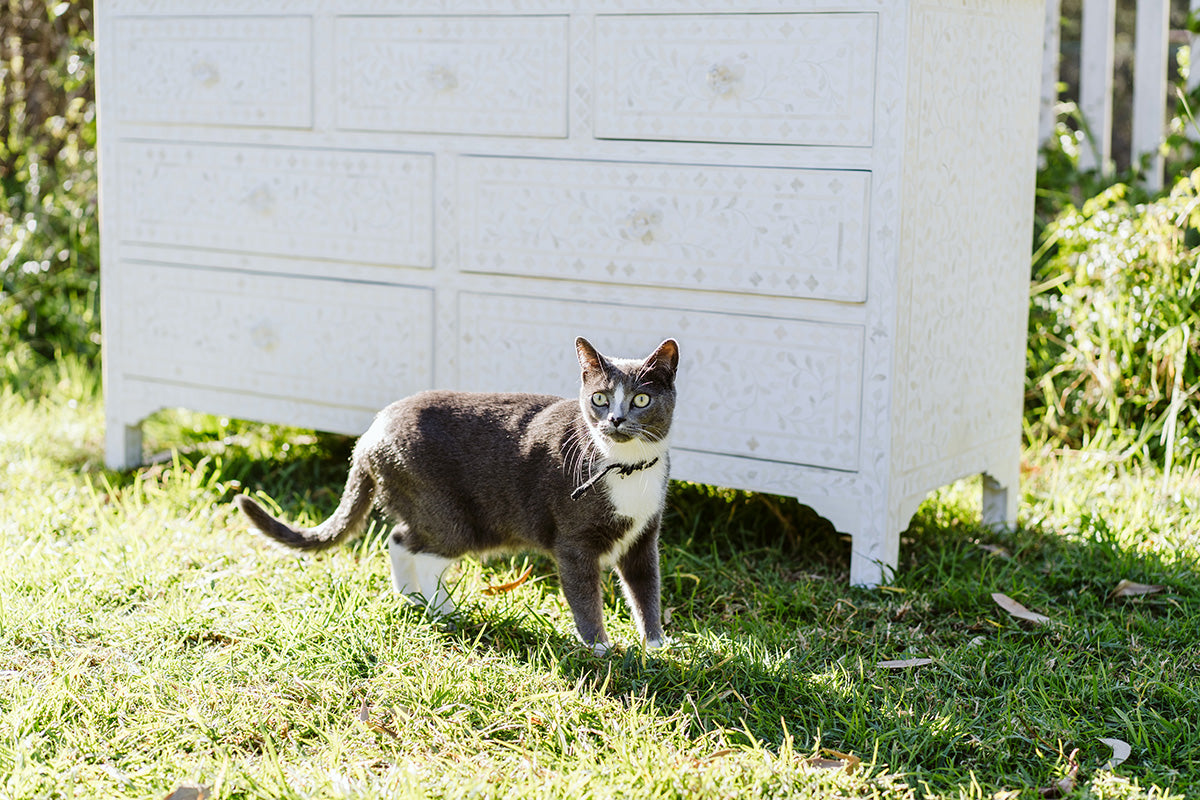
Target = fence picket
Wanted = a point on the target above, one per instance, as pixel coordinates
(1193, 78)
(1097, 33)
(1150, 87)
(1050, 59)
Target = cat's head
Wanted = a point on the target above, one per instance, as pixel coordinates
(627, 401)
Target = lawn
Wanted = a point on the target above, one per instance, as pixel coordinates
(150, 645)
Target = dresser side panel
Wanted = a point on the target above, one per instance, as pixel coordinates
(969, 171)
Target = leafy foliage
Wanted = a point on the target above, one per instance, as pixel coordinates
(1114, 347)
(49, 240)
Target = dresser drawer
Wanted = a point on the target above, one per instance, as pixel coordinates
(344, 344)
(254, 71)
(345, 205)
(759, 78)
(474, 75)
(778, 389)
(783, 232)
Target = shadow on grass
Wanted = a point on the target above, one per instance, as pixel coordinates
(716, 545)
(743, 580)
(302, 471)
(771, 643)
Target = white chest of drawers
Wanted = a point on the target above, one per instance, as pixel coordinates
(313, 207)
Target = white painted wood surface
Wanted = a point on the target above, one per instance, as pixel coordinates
(1097, 44)
(1051, 58)
(313, 207)
(1150, 87)
(1193, 78)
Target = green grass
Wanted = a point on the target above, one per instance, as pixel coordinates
(148, 641)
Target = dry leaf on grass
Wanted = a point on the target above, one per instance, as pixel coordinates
(1017, 610)
(364, 716)
(1121, 751)
(1066, 784)
(832, 759)
(904, 663)
(702, 760)
(189, 793)
(1131, 589)
(508, 587)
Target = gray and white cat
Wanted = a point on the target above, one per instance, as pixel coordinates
(477, 473)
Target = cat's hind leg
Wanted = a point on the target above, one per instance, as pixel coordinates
(418, 577)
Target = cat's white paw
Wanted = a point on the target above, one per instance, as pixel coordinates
(417, 577)
(655, 644)
(600, 649)
(441, 606)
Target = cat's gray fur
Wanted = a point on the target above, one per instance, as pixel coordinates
(475, 473)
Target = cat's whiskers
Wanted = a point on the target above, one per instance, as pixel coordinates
(593, 452)
(572, 451)
(578, 448)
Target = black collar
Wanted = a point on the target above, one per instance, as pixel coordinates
(624, 469)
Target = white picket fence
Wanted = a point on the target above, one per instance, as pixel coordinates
(1150, 86)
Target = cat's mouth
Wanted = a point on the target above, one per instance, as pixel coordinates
(615, 434)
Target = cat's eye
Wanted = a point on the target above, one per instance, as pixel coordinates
(599, 399)
(641, 400)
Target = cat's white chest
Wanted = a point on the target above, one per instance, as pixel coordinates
(638, 496)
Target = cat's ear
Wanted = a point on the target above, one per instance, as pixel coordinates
(666, 357)
(589, 359)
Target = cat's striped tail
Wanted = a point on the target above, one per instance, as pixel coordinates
(348, 519)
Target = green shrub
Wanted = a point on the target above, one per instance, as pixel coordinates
(49, 241)
(1114, 345)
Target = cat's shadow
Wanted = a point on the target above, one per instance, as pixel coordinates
(705, 531)
(711, 689)
(718, 671)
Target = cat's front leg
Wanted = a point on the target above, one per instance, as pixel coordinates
(642, 585)
(579, 575)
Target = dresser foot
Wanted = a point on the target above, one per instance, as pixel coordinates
(122, 445)
(1000, 499)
